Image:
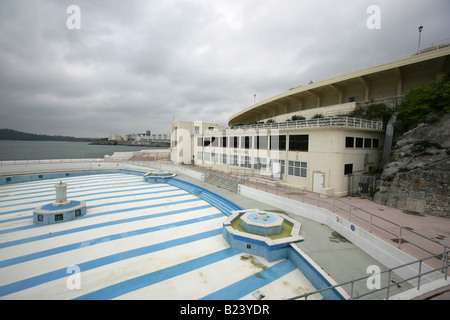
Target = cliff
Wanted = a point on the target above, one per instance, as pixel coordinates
(416, 178)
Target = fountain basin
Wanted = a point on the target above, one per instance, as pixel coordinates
(273, 247)
(158, 176)
(52, 213)
(262, 223)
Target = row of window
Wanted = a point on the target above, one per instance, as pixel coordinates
(367, 143)
(295, 168)
(298, 142)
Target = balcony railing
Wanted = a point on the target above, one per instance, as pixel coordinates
(347, 122)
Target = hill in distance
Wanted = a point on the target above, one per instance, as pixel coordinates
(10, 134)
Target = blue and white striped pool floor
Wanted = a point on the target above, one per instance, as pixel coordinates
(137, 241)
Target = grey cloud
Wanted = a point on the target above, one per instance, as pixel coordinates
(136, 65)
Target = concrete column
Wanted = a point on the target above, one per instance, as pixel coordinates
(61, 194)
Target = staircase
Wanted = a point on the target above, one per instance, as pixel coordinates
(224, 205)
(222, 181)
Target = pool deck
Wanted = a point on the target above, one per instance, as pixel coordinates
(145, 241)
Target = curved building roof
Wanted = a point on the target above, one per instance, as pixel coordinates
(383, 81)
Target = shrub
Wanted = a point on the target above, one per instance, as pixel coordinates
(374, 111)
(425, 104)
(294, 118)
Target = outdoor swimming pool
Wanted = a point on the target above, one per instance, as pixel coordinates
(138, 240)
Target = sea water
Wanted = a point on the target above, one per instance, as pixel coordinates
(41, 150)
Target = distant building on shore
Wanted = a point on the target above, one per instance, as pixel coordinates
(141, 138)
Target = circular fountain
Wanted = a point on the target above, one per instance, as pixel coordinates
(61, 210)
(158, 176)
(262, 223)
(261, 233)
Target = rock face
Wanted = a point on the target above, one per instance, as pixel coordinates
(416, 179)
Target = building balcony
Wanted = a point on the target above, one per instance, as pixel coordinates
(343, 122)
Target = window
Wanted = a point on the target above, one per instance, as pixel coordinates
(223, 143)
(199, 142)
(348, 168)
(199, 155)
(260, 163)
(297, 169)
(261, 142)
(207, 156)
(224, 159)
(245, 162)
(233, 159)
(214, 142)
(234, 142)
(196, 130)
(40, 217)
(246, 142)
(206, 141)
(349, 142)
(359, 142)
(59, 217)
(282, 166)
(277, 142)
(375, 143)
(367, 143)
(214, 157)
(77, 213)
(298, 142)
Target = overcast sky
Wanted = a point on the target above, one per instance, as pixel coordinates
(136, 65)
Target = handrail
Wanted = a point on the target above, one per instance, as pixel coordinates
(335, 205)
(350, 210)
(421, 273)
(312, 123)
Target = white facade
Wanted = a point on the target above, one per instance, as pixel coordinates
(182, 139)
(314, 155)
(114, 137)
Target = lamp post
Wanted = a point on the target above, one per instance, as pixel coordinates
(420, 32)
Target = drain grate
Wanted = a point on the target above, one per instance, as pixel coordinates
(258, 295)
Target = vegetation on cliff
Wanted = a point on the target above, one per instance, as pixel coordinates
(424, 105)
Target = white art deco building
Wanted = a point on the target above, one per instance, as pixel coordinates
(318, 152)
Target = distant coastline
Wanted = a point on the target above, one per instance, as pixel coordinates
(14, 135)
(10, 134)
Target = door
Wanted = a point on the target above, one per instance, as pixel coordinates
(319, 179)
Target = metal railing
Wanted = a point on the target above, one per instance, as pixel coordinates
(375, 224)
(54, 161)
(142, 157)
(416, 280)
(348, 122)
